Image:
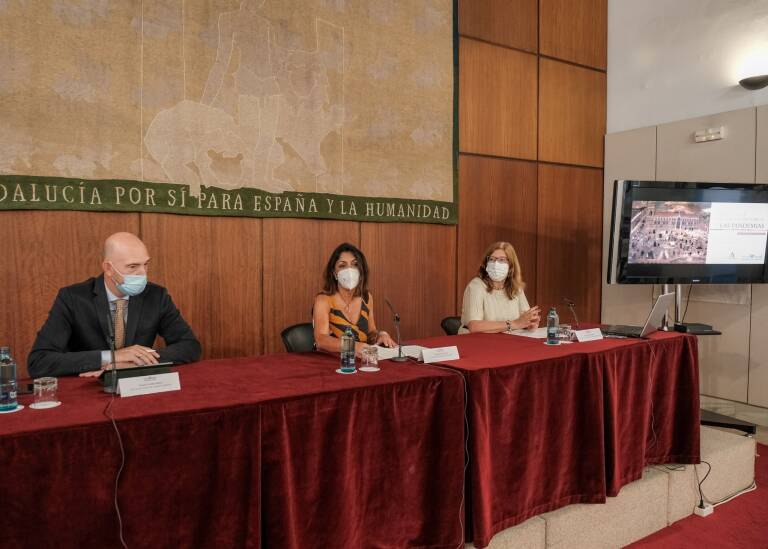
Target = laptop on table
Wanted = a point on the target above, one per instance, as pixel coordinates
(652, 323)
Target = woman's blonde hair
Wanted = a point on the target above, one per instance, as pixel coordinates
(513, 284)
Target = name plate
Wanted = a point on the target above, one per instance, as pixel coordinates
(440, 354)
(148, 385)
(592, 334)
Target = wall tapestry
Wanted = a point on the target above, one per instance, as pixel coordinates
(341, 109)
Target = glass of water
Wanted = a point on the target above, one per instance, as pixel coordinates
(564, 332)
(370, 359)
(45, 393)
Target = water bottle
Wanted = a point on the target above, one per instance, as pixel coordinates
(7, 380)
(348, 351)
(553, 322)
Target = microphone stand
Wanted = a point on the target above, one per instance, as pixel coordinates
(571, 306)
(396, 319)
(112, 388)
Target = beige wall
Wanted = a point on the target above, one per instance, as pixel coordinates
(628, 155)
(758, 343)
(735, 364)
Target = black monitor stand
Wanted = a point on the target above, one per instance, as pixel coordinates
(713, 419)
(708, 418)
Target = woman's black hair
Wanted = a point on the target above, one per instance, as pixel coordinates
(331, 285)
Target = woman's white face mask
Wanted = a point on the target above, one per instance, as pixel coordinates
(497, 271)
(348, 278)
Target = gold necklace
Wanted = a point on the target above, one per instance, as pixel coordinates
(347, 304)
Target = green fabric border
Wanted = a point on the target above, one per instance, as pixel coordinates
(23, 192)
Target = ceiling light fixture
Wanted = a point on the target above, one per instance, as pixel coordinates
(754, 82)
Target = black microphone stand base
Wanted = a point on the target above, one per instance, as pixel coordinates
(110, 377)
(399, 358)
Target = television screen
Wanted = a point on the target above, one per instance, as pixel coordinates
(673, 232)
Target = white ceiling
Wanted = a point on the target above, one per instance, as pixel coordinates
(676, 59)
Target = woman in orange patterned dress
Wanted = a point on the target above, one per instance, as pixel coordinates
(346, 302)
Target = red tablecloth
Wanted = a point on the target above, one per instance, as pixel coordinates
(277, 450)
(555, 425)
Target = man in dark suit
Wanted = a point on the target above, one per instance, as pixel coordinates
(75, 338)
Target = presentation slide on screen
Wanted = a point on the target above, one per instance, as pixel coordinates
(698, 232)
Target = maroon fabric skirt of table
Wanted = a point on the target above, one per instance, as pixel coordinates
(555, 425)
(277, 451)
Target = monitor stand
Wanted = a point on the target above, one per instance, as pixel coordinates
(714, 419)
(695, 328)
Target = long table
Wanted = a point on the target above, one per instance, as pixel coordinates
(275, 451)
(280, 451)
(555, 425)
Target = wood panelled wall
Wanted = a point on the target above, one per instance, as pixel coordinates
(531, 125)
(532, 121)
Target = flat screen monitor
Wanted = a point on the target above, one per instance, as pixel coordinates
(669, 232)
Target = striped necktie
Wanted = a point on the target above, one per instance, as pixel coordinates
(120, 305)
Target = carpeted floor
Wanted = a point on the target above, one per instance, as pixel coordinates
(741, 523)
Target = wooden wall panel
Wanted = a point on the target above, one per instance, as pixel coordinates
(414, 266)
(43, 252)
(497, 101)
(238, 296)
(569, 240)
(575, 30)
(512, 23)
(236, 326)
(212, 269)
(295, 254)
(572, 114)
(497, 200)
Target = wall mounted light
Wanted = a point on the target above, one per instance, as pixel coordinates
(709, 134)
(754, 82)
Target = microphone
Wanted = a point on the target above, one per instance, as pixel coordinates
(572, 306)
(396, 319)
(111, 330)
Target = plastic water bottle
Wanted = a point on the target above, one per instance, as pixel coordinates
(7, 380)
(553, 322)
(348, 351)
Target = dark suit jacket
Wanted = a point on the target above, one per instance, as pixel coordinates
(76, 332)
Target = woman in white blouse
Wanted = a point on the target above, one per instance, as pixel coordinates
(494, 300)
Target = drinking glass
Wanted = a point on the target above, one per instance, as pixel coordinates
(45, 393)
(564, 332)
(370, 360)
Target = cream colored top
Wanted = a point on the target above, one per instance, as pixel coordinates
(480, 304)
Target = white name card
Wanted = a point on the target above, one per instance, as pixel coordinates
(592, 334)
(148, 385)
(440, 354)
